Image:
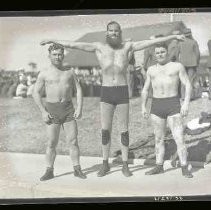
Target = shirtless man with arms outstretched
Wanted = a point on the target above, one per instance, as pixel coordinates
(114, 57)
(58, 110)
(165, 77)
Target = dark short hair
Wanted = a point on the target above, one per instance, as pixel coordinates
(56, 47)
(113, 23)
(161, 44)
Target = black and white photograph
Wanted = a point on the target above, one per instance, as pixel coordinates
(105, 106)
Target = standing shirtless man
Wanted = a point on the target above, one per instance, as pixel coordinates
(59, 82)
(114, 57)
(165, 77)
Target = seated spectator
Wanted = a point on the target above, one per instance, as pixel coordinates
(31, 87)
(21, 90)
(12, 90)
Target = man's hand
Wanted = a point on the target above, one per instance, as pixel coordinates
(46, 42)
(46, 117)
(144, 113)
(78, 113)
(180, 37)
(184, 110)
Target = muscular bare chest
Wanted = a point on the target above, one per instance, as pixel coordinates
(166, 75)
(111, 58)
(58, 80)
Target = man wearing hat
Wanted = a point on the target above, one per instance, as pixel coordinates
(173, 48)
(189, 56)
(149, 57)
(209, 67)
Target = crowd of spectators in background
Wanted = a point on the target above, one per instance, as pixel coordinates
(90, 80)
(20, 84)
(16, 84)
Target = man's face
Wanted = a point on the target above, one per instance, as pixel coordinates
(161, 55)
(114, 36)
(56, 57)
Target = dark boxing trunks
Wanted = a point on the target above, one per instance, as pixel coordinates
(60, 112)
(115, 94)
(164, 107)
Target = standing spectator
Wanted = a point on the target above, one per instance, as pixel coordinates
(1, 82)
(209, 67)
(22, 76)
(149, 56)
(189, 56)
(31, 87)
(12, 90)
(173, 49)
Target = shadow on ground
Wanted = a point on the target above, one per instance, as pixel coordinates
(114, 168)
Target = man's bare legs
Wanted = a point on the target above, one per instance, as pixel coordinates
(159, 126)
(71, 132)
(176, 126)
(123, 122)
(53, 131)
(107, 112)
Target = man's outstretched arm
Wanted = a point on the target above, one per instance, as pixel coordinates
(147, 43)
(89, 47)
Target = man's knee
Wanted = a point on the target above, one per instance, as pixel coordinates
(182, 150)
(159, 133)
(52, 144)
(105, 137)
(71, 135)
(180, 144)
(159, 140)
(72, 139)
(125, 138)
(73, 142)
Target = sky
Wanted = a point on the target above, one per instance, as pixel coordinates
(20, 36)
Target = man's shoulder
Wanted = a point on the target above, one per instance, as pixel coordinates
(69, 72)
(193, 40)
(44, 72)
(189, 41)
(67, 68)
(127, 42)
(177, 65)
(151, 68)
